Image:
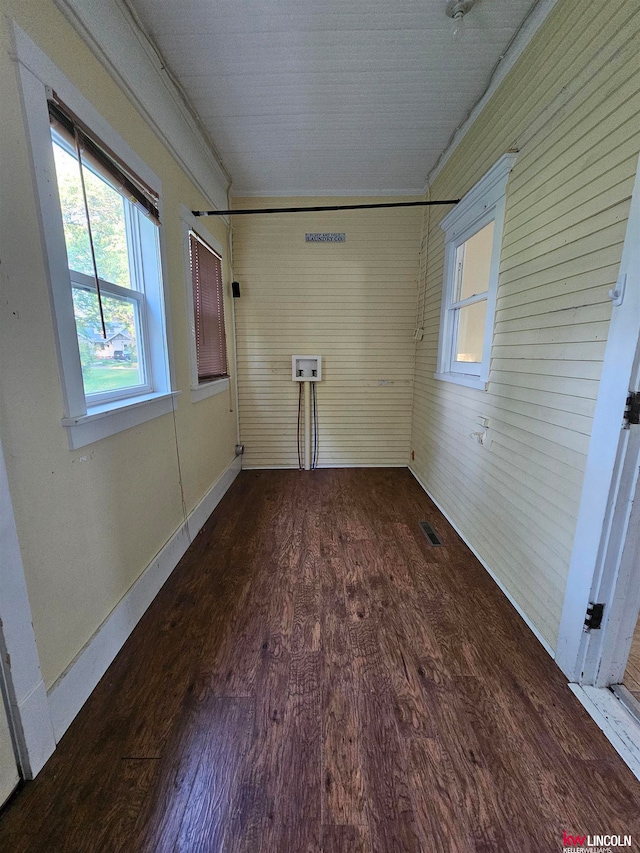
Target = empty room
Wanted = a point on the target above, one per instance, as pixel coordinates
(319, 426)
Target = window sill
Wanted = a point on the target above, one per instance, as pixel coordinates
(110, 418)
(208, 389)
(463, 379)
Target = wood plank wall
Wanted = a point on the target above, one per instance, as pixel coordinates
(571, 106)
(353, 303)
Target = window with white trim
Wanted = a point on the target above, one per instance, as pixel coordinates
(208, 311)
(100, 212)
(473, 237)
(205, 309)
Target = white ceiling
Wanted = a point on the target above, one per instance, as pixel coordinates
(345, 97)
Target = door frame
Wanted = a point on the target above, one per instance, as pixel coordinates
(28, 706)
(601, 568)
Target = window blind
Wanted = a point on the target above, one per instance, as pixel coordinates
(208, 310)
(102, 159)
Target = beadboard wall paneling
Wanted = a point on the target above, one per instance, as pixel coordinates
(571, 106)
(353, 303)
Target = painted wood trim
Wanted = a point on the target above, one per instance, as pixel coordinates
(75, 685)
(209, 389)
(97, 425)
(463, 379)
(484, 203)
(608, 652)
(199, 515)
(113, 34)
(33, 90)
(469, 215)
(28, 707)
(331, 465)
(599, 504)
(616, 723)
(498, 583)
(37, 73)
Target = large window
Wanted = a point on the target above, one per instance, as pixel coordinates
(205, 309)
(100, 213)
(102, 227)
(473, 233)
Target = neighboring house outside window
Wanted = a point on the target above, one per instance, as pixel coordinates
(100, 211)
(107, 234)
(473, 237)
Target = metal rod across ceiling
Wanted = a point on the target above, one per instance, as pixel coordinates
(252, 211)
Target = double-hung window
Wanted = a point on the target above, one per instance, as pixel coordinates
(105, 237)
(205, 310)
(473, 235)
(100, 212)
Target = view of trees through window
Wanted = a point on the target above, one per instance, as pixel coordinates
(107, 364)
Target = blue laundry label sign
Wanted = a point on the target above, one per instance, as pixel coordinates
(325, 238)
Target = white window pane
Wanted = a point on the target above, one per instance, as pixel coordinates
(74, 218)
(471, 322)
(106, 209)
(473, 261)
(110, 364)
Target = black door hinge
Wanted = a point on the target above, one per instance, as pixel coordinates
(593, 619)
(632, 409)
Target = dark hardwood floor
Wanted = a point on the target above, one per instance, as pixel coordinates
(315, 676)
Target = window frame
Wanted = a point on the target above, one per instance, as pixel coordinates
(89, 421)
(483, 204)
(191, 223)
(107, 288)
(136, 292)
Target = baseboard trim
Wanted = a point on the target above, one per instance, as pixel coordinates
(495, 579)
(198, 516)
(618, 725)
(75, 685)
(36, 730)
(249, 467)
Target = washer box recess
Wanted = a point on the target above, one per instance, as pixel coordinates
(306, 368)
